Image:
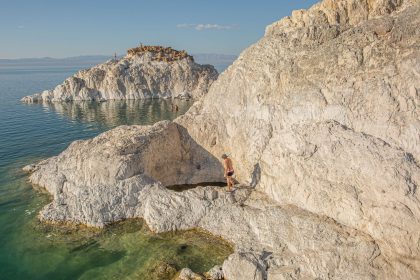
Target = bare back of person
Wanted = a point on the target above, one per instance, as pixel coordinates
(228, 165)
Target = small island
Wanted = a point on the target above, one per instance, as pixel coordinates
(145, 72)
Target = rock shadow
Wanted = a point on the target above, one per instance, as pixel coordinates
(188, 163)
(256, 175)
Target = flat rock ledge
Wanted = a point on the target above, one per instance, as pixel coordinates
(135, 76)
(123, 173)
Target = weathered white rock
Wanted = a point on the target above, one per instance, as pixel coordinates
(269, 239)
(29, 168)
(321, 116)
(244, 266)
(215, 273)
(133, 77)
(188, 274)
(98, 181)
(323, 113)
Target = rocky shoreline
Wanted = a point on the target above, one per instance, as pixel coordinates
(270, 239)
(321, 118)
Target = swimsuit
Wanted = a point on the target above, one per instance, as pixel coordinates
(230, 173)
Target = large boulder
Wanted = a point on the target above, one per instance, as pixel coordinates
(323, 113)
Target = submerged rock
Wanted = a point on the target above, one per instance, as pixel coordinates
(215, 273)
(321, 119)
(135, 76)
(188, 274)
(162, 270)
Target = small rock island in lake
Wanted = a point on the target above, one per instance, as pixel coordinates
(145, 72)
(321, 117)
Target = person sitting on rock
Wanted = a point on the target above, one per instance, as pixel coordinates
(228, 171)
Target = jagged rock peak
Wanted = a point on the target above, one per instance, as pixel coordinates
(343, 13)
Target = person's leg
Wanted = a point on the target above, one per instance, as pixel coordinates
(230, 184)
(231, 181)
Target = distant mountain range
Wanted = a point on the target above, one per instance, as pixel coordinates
(84, 60)
(213, 58)
(220, 61)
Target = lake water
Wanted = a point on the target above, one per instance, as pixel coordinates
(32, 250)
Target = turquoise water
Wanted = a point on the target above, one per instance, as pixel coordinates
(32, 250)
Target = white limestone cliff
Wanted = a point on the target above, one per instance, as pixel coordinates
(138, 76)
(321, 118)
(325, 116)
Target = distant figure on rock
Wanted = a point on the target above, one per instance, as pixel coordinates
(175, 108)
(228, 171)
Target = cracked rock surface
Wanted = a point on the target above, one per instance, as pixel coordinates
(323, 113)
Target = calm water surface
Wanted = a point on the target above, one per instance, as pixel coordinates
(31, 250)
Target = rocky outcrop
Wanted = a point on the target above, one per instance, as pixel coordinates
(270, 240)
(321, 119)
(99, 181)
(141, 75)
(323, 113)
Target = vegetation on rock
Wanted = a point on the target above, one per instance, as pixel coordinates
(160, 53)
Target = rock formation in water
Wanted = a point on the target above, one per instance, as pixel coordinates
(99, 181)
(145, 72)
(321, 118)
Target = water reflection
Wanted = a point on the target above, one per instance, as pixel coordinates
(118, 112)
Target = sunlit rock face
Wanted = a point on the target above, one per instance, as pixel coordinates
(100, 181)
(135, 76)
(323, 113)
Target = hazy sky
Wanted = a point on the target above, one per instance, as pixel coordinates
(58, 28)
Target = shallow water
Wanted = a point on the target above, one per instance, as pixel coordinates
(31, 250)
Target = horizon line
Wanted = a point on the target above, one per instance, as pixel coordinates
(104, 55)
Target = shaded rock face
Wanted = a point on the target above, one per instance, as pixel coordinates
(134, 77)
(323, 113)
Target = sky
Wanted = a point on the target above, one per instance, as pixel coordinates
(59, 28)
